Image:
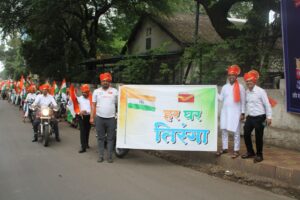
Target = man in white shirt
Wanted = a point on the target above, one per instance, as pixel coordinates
(259, 114)
(233, 110)
(28, 101)
(84, 117)
(104, 107)
(45, 99)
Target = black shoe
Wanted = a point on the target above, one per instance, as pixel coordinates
(248, 155)
(110, 160)
(81, 151)
(258, 159)
(87, 146)
(35, 137)
(57, 139)
(100, 160)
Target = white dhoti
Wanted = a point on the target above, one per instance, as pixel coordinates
(237, 139)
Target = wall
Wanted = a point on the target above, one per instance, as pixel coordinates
(158, 37)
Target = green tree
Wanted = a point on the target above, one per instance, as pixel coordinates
(253, 41)
(12, 59)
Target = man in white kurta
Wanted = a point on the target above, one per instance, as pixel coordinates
(232, 110)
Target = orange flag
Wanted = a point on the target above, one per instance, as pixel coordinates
(21, 82)
(272, 101)
(74, 99)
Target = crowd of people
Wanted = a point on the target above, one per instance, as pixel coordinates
(99, 108)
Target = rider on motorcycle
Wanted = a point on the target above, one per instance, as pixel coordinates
(45, 99)
(28, 101)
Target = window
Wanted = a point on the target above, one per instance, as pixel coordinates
(148, 31)
(148, 43)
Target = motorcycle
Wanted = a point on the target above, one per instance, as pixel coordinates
(45, 130)
(31, 113)
(62, 105)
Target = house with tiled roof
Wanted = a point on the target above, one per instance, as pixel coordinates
(175, 32)
(171, 35)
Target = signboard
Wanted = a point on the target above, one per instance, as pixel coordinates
(290, 12)
(163, 117)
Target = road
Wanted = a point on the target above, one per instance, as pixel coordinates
(29, 171)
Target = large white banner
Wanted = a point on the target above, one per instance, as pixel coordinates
(163, 117)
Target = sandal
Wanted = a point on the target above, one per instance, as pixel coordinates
(235, 155)
(221, 152)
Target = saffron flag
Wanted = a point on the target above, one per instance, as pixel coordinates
(74, 99)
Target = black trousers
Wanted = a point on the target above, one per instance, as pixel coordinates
(85, 127)
(257, 123)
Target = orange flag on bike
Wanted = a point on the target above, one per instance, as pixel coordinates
(74, 99)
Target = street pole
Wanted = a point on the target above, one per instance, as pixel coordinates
(195, 42)
(197, 20)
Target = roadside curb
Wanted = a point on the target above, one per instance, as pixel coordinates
(284, 174)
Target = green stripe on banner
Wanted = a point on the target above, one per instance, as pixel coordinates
(141, 107)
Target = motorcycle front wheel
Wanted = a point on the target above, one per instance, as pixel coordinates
(46, 136)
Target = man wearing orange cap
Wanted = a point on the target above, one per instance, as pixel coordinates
(259, 113)
(45, 99)
(104, 109)
(233, 110)
(28, 101)
(84, 117)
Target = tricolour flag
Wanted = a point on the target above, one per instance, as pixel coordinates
(140, 102)
(63, 88)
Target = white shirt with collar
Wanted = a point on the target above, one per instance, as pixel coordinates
(106, 102)
(257, 102)
(84, 104)
(42, 100)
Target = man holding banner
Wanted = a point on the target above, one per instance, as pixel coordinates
(104, 106)
(233, 110)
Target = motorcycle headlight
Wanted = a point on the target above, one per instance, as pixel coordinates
(45, 112)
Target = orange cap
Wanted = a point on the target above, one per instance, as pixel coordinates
(105, 77)
(234, 70)
(252, 75)
(85, 88)
(45, 86)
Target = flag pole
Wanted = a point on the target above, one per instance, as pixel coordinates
(125, 117)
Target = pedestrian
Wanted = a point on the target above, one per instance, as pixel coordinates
(233, 110)
(259, 115)
(84, 102)
(104, 108)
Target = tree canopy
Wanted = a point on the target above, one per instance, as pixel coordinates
(55, 36)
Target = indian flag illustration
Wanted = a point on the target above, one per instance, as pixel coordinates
(140, 102)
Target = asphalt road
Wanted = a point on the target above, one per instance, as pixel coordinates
(29, 171)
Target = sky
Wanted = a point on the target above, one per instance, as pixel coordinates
(1, 66)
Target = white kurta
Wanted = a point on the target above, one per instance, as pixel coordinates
(231, 111)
